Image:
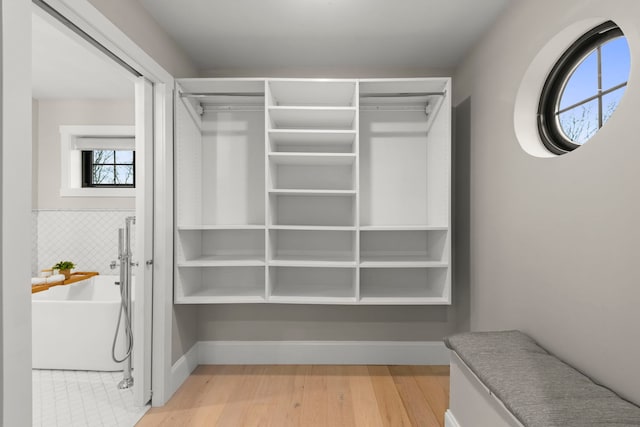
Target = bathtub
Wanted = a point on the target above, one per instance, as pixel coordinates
(73, 326)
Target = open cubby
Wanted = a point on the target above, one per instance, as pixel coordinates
(292, 141)
(316, 210)
(310, 284)
(319, 175)
(208, 247)
(221, 284)
(312, 117)
(401, 246)
(305, 247)
(311, 93)
(404, 285)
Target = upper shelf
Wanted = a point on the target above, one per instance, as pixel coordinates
(312, 159)
(312, 137)
(321, 92)
(312, 117)
(378, 88)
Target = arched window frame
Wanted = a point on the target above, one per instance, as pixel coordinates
(551, 133)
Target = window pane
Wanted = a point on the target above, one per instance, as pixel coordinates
(610, 102)
(580, 123)
(583, 83)
(102, 156)
(124, 175)
(124, 157)
(103, 174)
(616, 62)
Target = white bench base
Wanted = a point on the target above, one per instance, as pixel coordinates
(471, 404)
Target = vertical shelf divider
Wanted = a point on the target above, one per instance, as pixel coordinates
(267, 185)
(357, 187)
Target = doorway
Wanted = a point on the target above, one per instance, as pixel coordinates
(92, 118)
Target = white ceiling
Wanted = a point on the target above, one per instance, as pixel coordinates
(375, 35)
(65, 68)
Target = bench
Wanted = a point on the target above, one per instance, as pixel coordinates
(506, 379)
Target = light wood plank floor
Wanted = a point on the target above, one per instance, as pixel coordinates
(306, 396)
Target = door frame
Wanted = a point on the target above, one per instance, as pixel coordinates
(85, 16)
(15, 197)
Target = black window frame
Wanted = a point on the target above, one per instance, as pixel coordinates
(88, 164)
(549, 128)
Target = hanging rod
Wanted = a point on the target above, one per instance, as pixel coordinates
(401, 94)
(209, 107)
(392, 108)
(207, 94)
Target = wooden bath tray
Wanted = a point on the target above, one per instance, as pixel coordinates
(75, 277)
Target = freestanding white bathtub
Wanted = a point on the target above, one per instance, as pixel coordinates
(74, 325)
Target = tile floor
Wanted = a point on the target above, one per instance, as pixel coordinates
(82, 399)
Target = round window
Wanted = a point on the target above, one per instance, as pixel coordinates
(584, 88)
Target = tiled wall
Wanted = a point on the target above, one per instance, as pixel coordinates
(89, 238)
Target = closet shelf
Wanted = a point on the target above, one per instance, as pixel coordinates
(311, 137)
(294, 192)
(221, 227)
(224, 295)
(298, 292)
(399, 262)
(312, 227)
(328, 262)
(312, 159)
(318, 299)
(408, 300)
(329, 118)
(403, 228)
(224, 261)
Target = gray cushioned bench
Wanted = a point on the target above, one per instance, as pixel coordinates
(538, 389)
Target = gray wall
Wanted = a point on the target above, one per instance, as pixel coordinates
(48, 116)
(554, 241)
(184, 330)
(133, 19)
(324, 323)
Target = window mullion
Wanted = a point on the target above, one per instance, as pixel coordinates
(115, 174)
(599, 55)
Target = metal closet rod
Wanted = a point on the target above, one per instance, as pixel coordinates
(401, 94)
(207, 94)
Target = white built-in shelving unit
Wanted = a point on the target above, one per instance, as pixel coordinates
(313, 191)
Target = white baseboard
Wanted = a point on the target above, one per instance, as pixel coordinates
(306, 353)
(322, 353)
(183, 367)
(450, 420)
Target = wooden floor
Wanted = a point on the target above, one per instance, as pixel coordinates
(305, 395)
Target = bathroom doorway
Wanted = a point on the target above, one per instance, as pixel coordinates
(92, 169)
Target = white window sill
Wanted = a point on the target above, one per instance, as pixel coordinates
(98, 192)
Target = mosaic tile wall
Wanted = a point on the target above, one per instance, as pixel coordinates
(89, 238)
